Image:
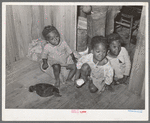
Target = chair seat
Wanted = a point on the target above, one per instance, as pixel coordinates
(127, 16)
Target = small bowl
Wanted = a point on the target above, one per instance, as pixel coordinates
(79, 83)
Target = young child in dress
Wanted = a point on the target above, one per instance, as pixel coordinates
(56, 54)
(95, 67)
(119, 59)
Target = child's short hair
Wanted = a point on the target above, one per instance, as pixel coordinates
(48, 29)
(99, 39)
(113, 37)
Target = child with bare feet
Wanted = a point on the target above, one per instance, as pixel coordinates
(95, 67)
(119, 59)
(55, 56)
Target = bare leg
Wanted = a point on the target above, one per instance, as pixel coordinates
(56, 69)
(89, 44)
(92, 87)
(85, 73)
(72, 72)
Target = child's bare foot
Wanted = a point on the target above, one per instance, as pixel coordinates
(57, 83)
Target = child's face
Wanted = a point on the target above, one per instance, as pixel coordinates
(115, 47)
(53, 38)
(99, 52)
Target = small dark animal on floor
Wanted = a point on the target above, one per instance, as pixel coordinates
(45, 90)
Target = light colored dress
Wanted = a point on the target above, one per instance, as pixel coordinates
(100, 75)
(59, 54)
(121, 64)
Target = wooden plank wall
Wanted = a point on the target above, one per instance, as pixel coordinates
(12, 52)
(64, 19)
(26, 22)
(138, 67)
(143, 90)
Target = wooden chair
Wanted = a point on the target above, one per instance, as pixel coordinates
(126, 21)
(128, 15)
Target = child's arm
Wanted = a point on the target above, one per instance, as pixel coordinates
(69, 51)
(73, 58)
(127, 63)
(109, 73)
(77, 75)
(127, 66)
(79, 64)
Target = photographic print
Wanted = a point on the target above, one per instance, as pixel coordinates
(74, 61)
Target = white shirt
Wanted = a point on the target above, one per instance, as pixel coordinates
(100, 75)
(121, 64)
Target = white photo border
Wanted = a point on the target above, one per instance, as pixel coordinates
(64, 114)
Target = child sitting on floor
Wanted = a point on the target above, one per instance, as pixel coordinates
(119, 59)
(95, 67)
(56, 54)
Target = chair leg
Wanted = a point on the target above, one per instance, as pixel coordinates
(130, 31)
(121, 22)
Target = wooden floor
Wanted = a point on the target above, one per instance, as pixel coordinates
(25, 73)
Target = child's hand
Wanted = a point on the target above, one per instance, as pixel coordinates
(73, 58)
(45, 66)
(70, 66)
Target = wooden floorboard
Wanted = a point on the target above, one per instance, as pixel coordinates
(108, 98)
(140, 104)
(27, 73)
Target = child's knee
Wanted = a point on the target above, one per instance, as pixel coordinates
(56, 67)
(86, 69)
